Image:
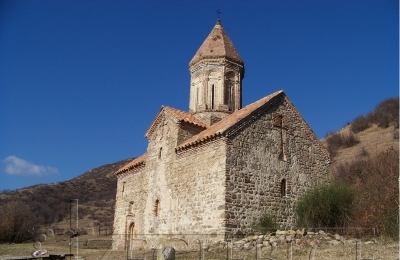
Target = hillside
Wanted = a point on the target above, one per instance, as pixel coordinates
(371, 142)
(365, 157)
(366, 136)
(49, 203)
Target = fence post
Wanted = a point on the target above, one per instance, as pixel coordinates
(200, 249)
(257, 251)
(312, 252)
(154, 250)
(289, 253)
(227, 249)
(358, 249)
(201, 253)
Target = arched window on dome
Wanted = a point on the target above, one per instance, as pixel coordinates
(212, 96)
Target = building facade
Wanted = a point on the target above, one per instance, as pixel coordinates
(218, 168)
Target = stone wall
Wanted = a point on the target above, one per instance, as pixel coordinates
(256, 169)
(222, 185)
(186, 131)
(173, 193)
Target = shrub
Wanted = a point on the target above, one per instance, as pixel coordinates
(375, 182)
(16, 223)
(386, 112)
(335, 141)
(359, 124)
(392, 224)
(266, 223)
(325, 206)
(349, 140)
(350, 172)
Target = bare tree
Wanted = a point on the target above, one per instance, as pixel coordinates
(16, 222)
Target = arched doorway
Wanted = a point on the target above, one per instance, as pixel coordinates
(131, 236)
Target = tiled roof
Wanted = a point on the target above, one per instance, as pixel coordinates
(132, 164)
(177, 116)
(216, 45)
(220, 127)
(184, 116)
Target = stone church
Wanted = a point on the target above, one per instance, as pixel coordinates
(219, 167)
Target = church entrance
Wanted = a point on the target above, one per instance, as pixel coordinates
(131, 236)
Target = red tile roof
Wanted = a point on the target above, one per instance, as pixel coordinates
(178, 115)
(227, 122)
(184, 116)
(135, 162)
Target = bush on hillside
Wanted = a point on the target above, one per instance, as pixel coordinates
(385, 114)
(335, 141)
(392, 224)
(375, 182)
(350, 140)
(325, 206)
(360, 124)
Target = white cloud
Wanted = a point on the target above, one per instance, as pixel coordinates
(18, 166)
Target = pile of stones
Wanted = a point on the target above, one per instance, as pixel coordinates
(296, 237)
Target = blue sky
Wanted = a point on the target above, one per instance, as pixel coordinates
(81, 81)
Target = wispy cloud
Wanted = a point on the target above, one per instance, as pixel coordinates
(18, 166)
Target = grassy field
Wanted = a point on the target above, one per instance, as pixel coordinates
(383, 249)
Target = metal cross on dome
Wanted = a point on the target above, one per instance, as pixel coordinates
(218, 13)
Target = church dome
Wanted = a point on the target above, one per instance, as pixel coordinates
(217, 45)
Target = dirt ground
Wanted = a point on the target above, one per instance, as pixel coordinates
(382, 249)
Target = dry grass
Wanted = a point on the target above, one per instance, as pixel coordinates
(383, 249)
(374, 140)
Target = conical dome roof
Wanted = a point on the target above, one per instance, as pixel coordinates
(217, 45)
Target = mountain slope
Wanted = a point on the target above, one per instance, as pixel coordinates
(371, 141)
(366, 135)
(365, 156)
(50, 203)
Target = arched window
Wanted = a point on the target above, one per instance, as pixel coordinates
(197, 98)
(229, 95)
(283, 188)
(212, 96)
(123, 188)
(130, 211)
(157, 208)
(232, 98)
